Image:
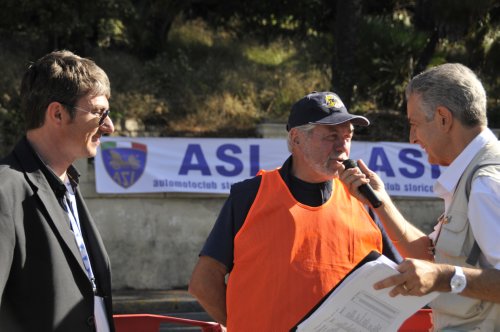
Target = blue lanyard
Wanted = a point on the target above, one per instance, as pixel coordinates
(70, 208)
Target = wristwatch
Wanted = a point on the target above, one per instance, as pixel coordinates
(458, 281)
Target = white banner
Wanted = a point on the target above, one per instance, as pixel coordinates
(211, 165)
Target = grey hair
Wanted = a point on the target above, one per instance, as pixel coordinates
(304, 128)
(453, 86)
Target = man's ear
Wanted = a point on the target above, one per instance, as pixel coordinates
(54, 113)
(295, 136)
(445, 118)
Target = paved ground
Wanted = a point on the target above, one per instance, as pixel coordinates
(154, 301)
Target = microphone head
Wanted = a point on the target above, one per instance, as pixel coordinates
(349, 163)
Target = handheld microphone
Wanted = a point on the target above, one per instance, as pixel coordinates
(365, 189)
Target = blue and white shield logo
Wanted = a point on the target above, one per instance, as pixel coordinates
(124, 161)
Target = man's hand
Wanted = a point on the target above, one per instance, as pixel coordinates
(357, 176)
(417, 277)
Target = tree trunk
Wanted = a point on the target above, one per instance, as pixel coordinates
(344, 66)
(427, 53)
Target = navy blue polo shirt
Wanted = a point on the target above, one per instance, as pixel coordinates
(220, 242)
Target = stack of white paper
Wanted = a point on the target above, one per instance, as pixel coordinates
(356, 306)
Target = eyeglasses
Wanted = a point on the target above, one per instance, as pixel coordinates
(102, 115)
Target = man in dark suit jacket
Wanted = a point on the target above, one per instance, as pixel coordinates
(54, 270)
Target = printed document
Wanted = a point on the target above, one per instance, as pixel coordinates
(355, 306)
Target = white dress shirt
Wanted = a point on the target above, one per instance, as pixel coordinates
(484, 200)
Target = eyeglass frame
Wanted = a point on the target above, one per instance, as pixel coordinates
(102, 116)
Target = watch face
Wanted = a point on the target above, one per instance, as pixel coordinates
(457, 283)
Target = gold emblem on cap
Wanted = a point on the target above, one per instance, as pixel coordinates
(333, 101)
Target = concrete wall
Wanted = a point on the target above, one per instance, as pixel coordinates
(153, 240)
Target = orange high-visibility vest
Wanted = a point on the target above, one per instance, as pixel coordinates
(288, 255)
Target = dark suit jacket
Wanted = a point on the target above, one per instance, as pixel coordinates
(43, 283)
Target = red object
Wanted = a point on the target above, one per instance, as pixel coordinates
(421, 321)
(151, 323)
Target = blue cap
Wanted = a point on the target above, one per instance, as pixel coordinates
(322, 108)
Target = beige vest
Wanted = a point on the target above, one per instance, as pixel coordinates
(453, 312)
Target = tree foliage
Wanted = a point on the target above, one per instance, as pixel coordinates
(366, 50)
